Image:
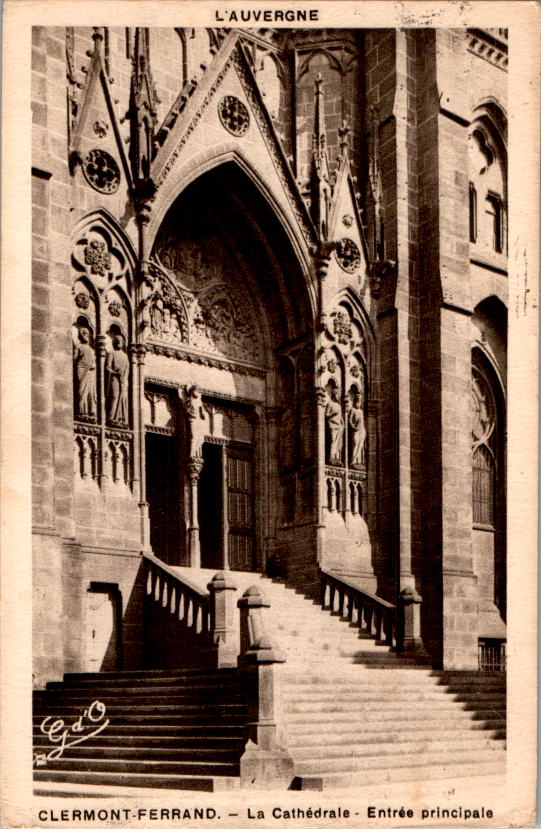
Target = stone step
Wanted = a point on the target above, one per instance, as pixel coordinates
(338, 737)
(381, 715)
(191, 768)
(120, 707)
(437, 706)
(358, 674)
(158, 731)
(369, 694)
(201, 717)
(162, 685)
(203, 783)
(234, 742)
(201, 754)
(391, 761)
(129, 697)
(189, 674)
(421, 772)
(412, 748)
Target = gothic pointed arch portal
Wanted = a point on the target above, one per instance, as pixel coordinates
(225, 307)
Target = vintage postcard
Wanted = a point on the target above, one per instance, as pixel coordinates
(269, 414)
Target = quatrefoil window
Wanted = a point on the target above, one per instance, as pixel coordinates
(348, 255)
(101, 171)
(233, 115)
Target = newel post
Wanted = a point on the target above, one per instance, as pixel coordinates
(264, 761)
(222, 608)
(409, 623)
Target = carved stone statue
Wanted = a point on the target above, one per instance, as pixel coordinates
(117, 368)
(197, 416)
(358, 430)
(84, 363)
(335, 425)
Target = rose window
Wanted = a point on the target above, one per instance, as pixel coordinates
(233, 115)
(101, 171)
(348, 255)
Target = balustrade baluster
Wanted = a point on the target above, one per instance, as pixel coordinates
(341, 602)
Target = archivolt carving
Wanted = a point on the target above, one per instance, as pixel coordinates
(191, 264)
(164, 314)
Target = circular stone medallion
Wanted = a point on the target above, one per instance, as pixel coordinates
(348, 255)
(101, 171)
(233, 115)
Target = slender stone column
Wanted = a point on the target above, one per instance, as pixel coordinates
(321, 402)
(137, 355)
(102, 414)
(225, 509)
(194, 465)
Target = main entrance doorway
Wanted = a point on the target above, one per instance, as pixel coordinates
(226, 507)
(163, 495)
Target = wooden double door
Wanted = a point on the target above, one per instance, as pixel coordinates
(226, 507)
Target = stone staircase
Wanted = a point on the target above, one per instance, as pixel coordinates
(167, 729)
(354, 713)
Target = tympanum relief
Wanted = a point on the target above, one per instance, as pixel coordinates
(196, 297)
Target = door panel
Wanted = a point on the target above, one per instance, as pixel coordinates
(240, 508)
(163, 495)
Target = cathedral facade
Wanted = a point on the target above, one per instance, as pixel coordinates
(269, 326)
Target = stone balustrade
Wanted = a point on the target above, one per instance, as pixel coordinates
(370, 613)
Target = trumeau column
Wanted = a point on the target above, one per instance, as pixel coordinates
(194, 466)
(197, 417)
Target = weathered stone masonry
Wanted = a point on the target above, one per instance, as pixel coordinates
(306, 231)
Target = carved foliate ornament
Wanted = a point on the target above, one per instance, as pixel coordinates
(82, 300)
(348, 255)
(234, 115)
(347, 220)
(342, 327)
(115, 308)
(98, 257)
(101, 128)
(101, 171)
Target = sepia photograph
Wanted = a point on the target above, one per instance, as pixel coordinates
(269, 391)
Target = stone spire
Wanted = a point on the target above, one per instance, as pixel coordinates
(143, 114)
(320, 184)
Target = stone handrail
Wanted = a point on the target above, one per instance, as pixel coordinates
(205, 620)
(369, 612)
